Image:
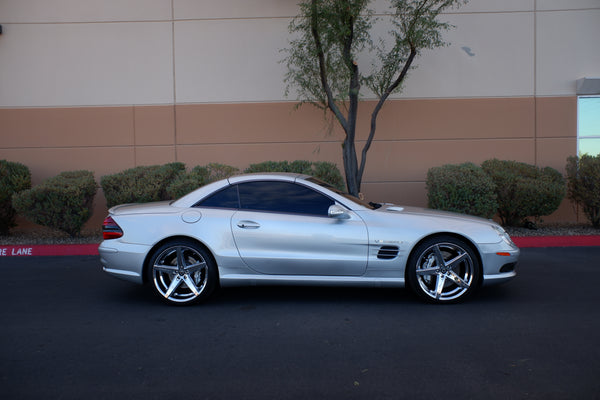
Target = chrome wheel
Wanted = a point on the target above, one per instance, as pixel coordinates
(443, 270)
(181, 273)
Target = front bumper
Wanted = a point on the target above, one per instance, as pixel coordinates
(499, 262)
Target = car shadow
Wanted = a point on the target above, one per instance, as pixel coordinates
(252, 296)
(311, 294)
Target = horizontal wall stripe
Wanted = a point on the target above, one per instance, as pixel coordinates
(412, 136)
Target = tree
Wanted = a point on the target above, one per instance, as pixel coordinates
(329, 37)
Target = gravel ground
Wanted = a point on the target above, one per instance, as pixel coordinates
(555, 230)
(44, 235)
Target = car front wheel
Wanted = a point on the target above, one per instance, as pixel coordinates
(181, 272)
(443, 269)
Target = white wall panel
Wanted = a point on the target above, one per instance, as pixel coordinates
(222, 9)
(567, 49)
(567, 4)
(230, 60)
(86, 64)
(210, 9)
(497, 6)
(63, 52)
(382, 6)
(19, 11)
(237, 60)
(484, 59)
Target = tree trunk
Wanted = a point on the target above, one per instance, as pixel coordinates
(351, 167)
(353, 177)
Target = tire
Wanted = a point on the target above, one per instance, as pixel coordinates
(443, 269)
(181, 272)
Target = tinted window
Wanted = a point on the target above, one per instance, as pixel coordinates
(226, 198)
(283, 197)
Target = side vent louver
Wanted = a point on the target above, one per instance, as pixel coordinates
(387, 252)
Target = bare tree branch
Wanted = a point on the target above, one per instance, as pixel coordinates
(375, 113)
(322, 67)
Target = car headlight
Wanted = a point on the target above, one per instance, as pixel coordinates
(503, 235)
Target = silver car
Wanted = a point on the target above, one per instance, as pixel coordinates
(294, 229)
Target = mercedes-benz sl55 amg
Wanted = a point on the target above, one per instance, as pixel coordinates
(294, 229)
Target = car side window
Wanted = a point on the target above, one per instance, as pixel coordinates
(284, 197)
(225, 198)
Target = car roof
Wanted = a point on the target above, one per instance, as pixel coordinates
(261, 176)
(191, 198)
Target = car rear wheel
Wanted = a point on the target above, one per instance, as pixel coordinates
(443, 269)
(182, 272)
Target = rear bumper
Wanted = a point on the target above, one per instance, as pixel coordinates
(123, 260)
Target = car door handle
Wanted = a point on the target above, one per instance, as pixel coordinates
(248, 225)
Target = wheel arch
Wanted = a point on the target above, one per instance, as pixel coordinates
(172, 239)
(455, 235)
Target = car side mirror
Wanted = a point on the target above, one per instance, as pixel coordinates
(338, 212)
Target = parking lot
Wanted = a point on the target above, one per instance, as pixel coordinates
(69, 331)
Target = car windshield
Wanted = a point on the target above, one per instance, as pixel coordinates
(370, 205)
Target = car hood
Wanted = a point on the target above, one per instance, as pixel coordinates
(160, 207)
(426, 212)
(423, 221)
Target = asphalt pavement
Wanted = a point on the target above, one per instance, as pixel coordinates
(69, 331)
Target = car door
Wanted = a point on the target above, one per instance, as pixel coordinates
(283, 228)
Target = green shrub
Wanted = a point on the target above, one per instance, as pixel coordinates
(326, 171)
(63, 202)
(14, 178)
(199, 176)
(525, 190)
(218, 171)
(583, 174)
(300, 167)
(140, 184)
(463, 188)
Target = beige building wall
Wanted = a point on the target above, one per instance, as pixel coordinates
(109, 85)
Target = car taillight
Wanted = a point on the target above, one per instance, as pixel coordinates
(110, 229)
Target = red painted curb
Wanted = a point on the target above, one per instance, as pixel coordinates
(556, 241)
(49, 250)
(92, 249)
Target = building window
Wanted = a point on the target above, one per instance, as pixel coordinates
(588, 125)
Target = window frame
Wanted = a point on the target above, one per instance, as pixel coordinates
(596, 137)
(296, 184)
(240, 206)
